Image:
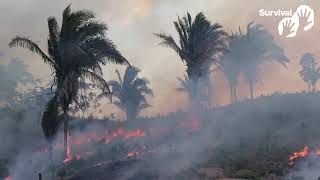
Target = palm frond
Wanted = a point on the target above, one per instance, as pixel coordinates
(104, 94)
(168, 41)
(144, 106)
(76, 18)
(116, 87)
(103, 50)
(130, 75)
(53, 40)
(65, 16)
(98, 80)
(90, 29)
(119, 78)
(145, 90)
(24, 42)
(140, 82)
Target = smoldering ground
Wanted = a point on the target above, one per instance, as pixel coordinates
(253, 130)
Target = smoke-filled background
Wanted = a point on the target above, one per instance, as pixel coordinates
(132, 25)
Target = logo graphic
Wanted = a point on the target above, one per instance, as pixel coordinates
(289, 26)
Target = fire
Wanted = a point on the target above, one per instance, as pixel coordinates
(123, 133)
(191, 124)
(86, 138)
(133, 154)
(302, 154)
(297, 155)
(68, 155)
(7, 178)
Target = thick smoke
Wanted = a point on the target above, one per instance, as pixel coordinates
(308, 169)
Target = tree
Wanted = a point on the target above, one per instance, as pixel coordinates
(230, 64)
(258, 47)
(309, 73)
(76, 52)
(130, 92)
(199, 43)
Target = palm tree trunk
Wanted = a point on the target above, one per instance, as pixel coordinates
(131, 113)
(313, 87)
(251, 90)
(235, 94)
(309, 87)
(65, 130)
(231, 94)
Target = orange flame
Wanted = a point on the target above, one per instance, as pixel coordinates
(191, 124)
(297, 155)
(68, 155)
(301, 154)
(123, 133)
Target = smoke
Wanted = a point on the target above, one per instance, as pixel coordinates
(305, 170)
(1, 54)
(11, 75)
(267, 125)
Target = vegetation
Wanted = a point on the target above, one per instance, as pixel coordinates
(309, 73)
(247, 52)
(76, 52)
(230, 64)
(130, 91)
(200, 42)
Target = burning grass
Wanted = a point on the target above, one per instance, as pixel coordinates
(252, 140)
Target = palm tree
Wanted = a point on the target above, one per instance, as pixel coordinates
(199, 43)
(230, 64)
(258, 47)
(309, 73)
(130, 92)
(76, 52)
(188, 86)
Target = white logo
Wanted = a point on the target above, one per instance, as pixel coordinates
(304, 16)
(289, 26)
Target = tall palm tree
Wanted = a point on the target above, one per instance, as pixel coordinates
(258, 47)
(130, 91)
(230, 64)
(76, 52)
(309, 73)
(199, 42)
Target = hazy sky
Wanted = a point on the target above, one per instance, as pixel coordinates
(132, 24)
